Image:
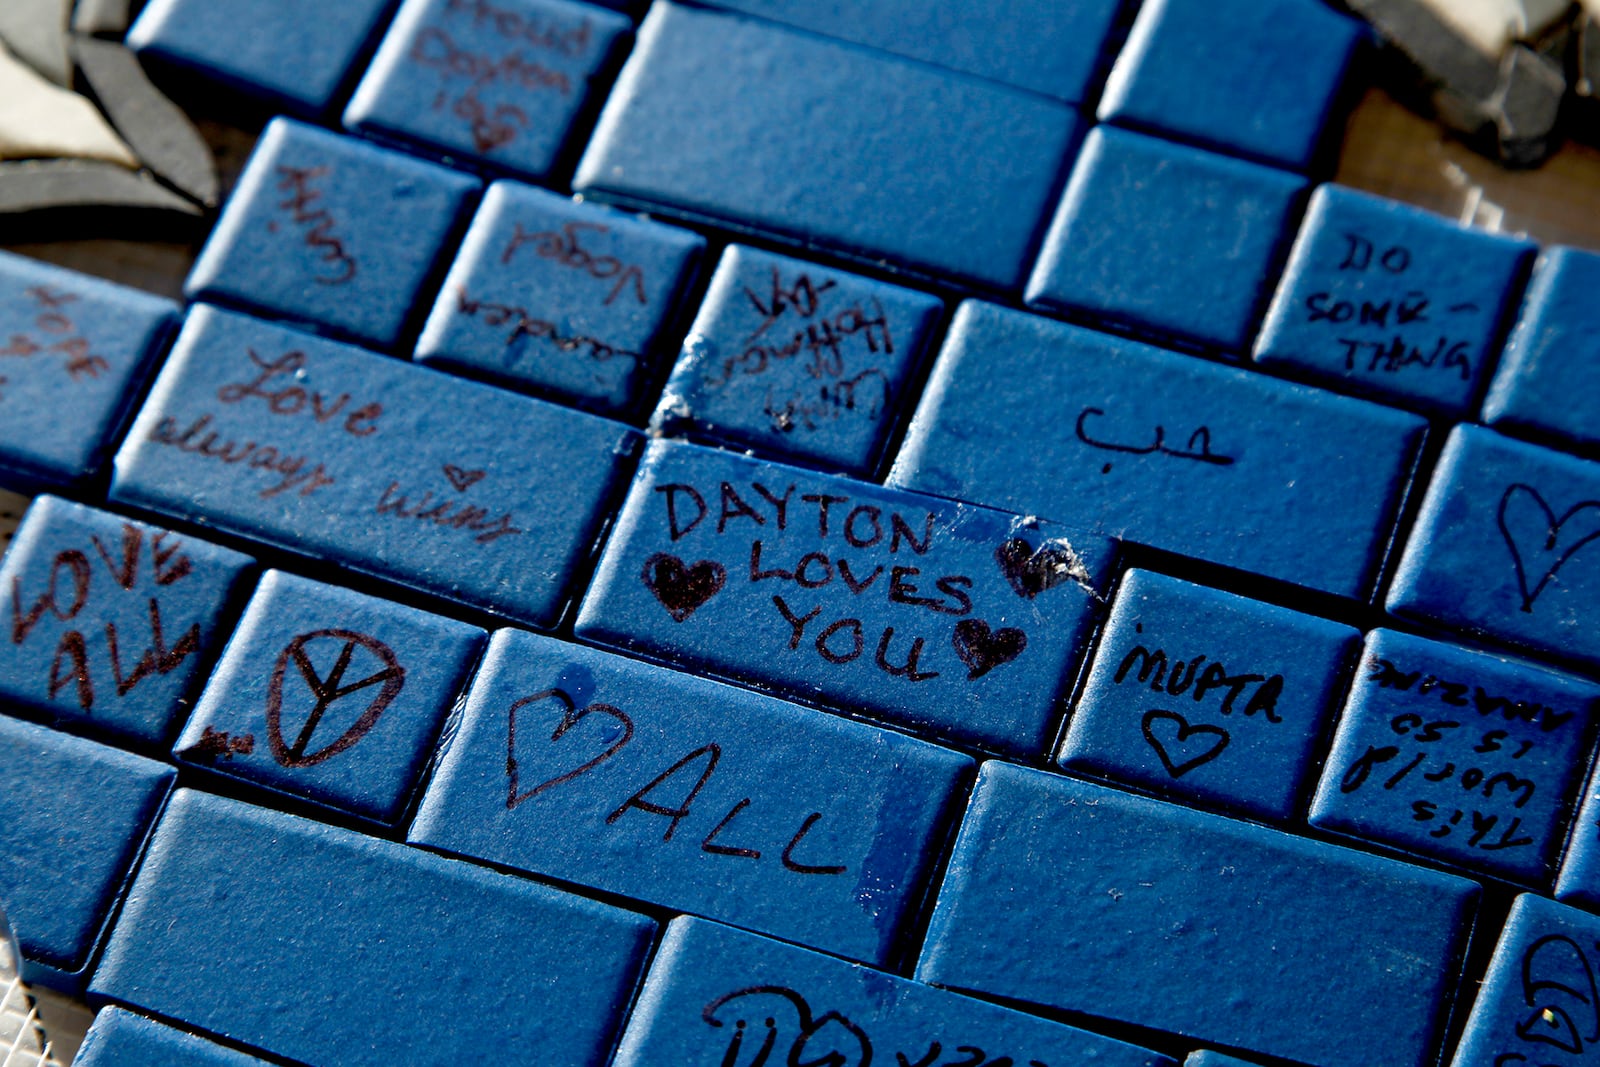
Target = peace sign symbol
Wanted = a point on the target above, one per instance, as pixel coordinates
(326, 691)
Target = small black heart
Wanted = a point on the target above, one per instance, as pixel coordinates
(570, 717)
(1178, 740)
(982, 650)
(1031, 571)
(681, 587)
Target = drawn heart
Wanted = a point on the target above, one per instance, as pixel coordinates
(1540, 543)
(982, 650)
(462, 479)
(1031, 571)
(1170, 733)
(682, 588)
(569, 719)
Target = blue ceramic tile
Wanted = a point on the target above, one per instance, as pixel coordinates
(560, 296)
(758, 127)
(119, 1038)
(111, 621)
(297, 938)
(73, 351)
(331, 231)
(1392, 301)
(1224, 931)
(464, 491)
(76, 813)
(1208, 697)
(1548, 383)
(293, 52)
(330, 695)
(791, 358)
(504, 82)
(1538, 1002)
(591, 768)
(1505, 545)
(1207, 461)
(1463, 756)
(946, 618)
(1578, 881)
(715, 995)
(1165, 239)
(1051, 47)
(1257, 78)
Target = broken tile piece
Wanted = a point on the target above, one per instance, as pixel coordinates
(38, 119)
(164, 138)
(110, 17)
(38, 184)
(36, 31)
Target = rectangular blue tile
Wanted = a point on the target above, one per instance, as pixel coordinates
(504, 82)
(111, 621)
(1200, 459)
(1464, 756)
(331, 231)
(796, 359)
(1548, 381)
(961, 621)
(591, 768)
(759, 127)
(1166, 239)
(1081, 898)
(716, 996)
(119, 1038)
(467, 492)
(1505, 545)
(75, 815)
(1052, 47)
(74, 351)
(1208, 698)
(330, 695)
(1392, 301)
(1255, 78)
(1538, 1003)
(561, 297)
(304, 940)
(294, 53)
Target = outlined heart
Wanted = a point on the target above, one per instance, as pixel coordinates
(461, 479)
(1031, 571)
(1540, 543)
(570, 717)
(681, 587)
(1171, 734)
(982, 650)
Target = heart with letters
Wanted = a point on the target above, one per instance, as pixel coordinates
(982, 649)
(682, 587)
(1031, 571)
(571, 717)
(1182, 746)
(1540, 543)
